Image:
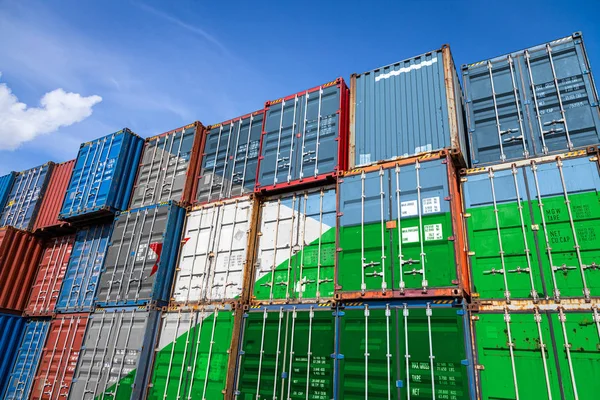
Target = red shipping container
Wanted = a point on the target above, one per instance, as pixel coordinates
(59, 357)
(50, 273)
(20, 253)
(47, 218)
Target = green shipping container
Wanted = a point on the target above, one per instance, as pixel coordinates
(192, 356)
(534, 228)
(286, 353)
(404, 351)
(537, 354)
(401, 231)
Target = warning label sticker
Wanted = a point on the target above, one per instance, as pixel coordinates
(410, 235)
(408, 208)
(433, 232)
(431, 205)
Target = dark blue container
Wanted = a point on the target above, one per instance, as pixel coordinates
(6, 183)
(531, 103)
(141, 258)
(27, 359)
(80, 282)
(26, 196)
(103, 176)
(11, 332)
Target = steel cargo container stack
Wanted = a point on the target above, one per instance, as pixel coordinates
(11, 332)
(25, 197)
(103, 177)
(168, 167)
(407, 108)
(304, 139)
(230, 158)
(531, 103)
(47, 220)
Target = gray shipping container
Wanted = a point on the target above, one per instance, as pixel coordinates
(115, 357)
(531, 103)
(406, 108)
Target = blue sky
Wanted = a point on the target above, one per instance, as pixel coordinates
(159, 65)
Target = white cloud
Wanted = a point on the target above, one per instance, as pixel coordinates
(20, 123)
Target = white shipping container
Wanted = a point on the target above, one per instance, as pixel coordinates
(213, 253)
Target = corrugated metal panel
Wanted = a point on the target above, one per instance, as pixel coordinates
(53, 199)
(26, 197)
(141, 257)
(213, 254)
(533, 228)
(115, 357)
(80, 281)
(20, 253)
(6, 183)
(414, 199)
(533, 102)
(404, 350)
(537, 354)
(295, 254)
(230, 158)
(59, 357)
(168, 167)
(304, 137)
(406, 108)
(193, 354)
(103, 176)
(11, 332)
(26, 362)
(48, 280)
(287, 352)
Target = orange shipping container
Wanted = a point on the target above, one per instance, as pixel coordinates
(47, 218)
(49, 276)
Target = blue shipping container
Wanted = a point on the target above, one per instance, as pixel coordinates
(531, 103)
(141, 258)
(25, 197)
(103, 176)
(27, 359)
(6, 183)
(11, 332)
(406, 108)
(80, 282)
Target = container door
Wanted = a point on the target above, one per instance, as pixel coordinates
(565, 202)
(498, 130)
(515, 357)
(245, 156)
(577, 343)
(364, 260)
(21, 206)
(214, 162)
(501, 236)
(564, 103)
(286, 354)
(192, 355)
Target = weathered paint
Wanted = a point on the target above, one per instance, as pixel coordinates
(49, 276)
(531, 103)
(192, 355)
(59, 357)
(168, 167)
(80, 281)
(26, 196)
(537, 354)
(406, 108)
(6, 182)
(214, 252)
(304, 138)
(115, 357)
(47, 218)
(295, 254)
(103, 176)
(141, 257)
(533, 228)
(230, 158)
(11, 332)
(416, 199)
(26, 362)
